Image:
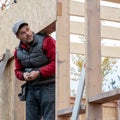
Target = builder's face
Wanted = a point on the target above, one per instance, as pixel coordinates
(25, 34)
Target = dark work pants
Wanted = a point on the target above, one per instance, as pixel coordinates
(40, 102)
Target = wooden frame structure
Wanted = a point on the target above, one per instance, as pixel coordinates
(93, 31)
(41, 18)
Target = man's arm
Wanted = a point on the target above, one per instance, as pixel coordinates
(49, 47)
(18, 67)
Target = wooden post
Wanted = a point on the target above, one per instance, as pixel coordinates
(63, 57)
(118, 110)
(93, 58)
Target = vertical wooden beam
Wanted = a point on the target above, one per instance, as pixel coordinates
(63, 57)
(93, 58)
(118, 110)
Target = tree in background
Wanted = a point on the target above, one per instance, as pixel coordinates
(108, 68)
(4, 4)
(110, 73)
(75, 70)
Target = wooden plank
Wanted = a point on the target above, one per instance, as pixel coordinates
(114, 1)
(78, 48)
(59, 9)
(19, 107)
(80, 89)
(118, 110)
(112, 104)
(63, 52)
(93, 58)
(43, 12)
(77, 9)
(68, 111)
(79, 29)
(110, 51)
(7, 93)
(49, 29)
(105, 97)
(110, 113)
(72, 100)
(106, 12)
(4, 61)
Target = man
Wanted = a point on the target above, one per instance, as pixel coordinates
(35, 63)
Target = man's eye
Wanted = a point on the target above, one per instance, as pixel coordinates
(27, 29)
(22, 33)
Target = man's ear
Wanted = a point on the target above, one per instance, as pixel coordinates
(17, 36)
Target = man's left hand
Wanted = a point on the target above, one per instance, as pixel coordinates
(33, 75)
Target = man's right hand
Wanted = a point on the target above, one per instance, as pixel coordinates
(27, 76)
(31, 76)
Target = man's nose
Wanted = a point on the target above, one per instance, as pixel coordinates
(27, 33)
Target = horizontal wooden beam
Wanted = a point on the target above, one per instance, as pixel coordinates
(106, 32)
(114, 1)
(77, 9)
(68, 111)
(78, 48)
(106, 97)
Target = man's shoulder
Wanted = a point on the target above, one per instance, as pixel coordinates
(17, 48)
(40, 37)
(45, 38)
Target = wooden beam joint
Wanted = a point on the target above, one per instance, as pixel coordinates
(106, 97)
(49, 29)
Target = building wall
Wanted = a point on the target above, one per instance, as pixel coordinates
(39, 14)
(110, 110)
(7, 90)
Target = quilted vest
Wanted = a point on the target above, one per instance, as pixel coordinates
(34, 59)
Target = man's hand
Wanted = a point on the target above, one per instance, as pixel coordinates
(31, 76)
(26, 75)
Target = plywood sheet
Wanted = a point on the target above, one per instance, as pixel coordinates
(38, 14)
